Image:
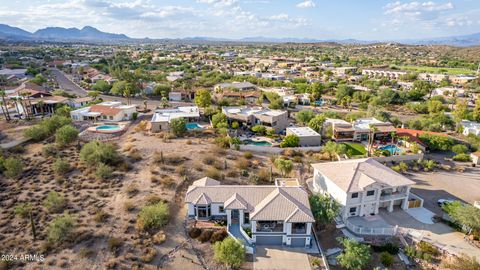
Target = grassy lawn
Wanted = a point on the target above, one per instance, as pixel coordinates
(451, 71)
(355, 149)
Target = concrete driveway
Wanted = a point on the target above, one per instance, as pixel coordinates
(280, 258)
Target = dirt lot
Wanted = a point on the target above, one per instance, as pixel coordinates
(431, 186)
(186, 160)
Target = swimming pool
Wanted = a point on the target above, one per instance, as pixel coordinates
(393, 149)
(257, 143)
(193, 126)
(109, 128)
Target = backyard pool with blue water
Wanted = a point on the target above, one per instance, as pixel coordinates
(393, 149)
(257, 143)
(194, 126)
(109, 128)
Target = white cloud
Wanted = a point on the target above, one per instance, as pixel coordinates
(218, 2)
(306, 4)
(415, 7)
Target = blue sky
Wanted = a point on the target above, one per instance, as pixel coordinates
(319, 19)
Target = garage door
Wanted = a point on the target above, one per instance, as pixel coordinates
(298, 242)
(269, 240)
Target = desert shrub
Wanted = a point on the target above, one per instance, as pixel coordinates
(316, 262)
(462, 157)
(46, 127)
(386, 259)
(49, 150)
(148, 255)
(264, 175)
(205, 236)
(460, 149)
(223, 142)
(213, 173)
(22, 209)
(462, 262)
(101, 216)
(60, 229)
(242, 163)
(128, 206)
(61, 166)
(428, 248)
(12, 167)
(194, 232)
(54, 202)
(114, 244)
(153, 199)
(103, 171)
(174, 159)
(181, 170)
(95, 152)
(153, 217)
(290, 141)
(159, 237)
(66, 135)
(134, 155)
(218, 236)
(248, 155)
(229, 252)
(85, 252)
(167, 181)
(132, 190)
(209, 160)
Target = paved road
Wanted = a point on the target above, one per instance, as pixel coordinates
(66, 84)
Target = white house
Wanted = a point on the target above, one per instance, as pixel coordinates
(111, 111)
(161, 118)
(362, 186)
(277, 214)
(306, 136)
(470, 127)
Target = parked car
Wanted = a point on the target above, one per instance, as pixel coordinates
(442, 202)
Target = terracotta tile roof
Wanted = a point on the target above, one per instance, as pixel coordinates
(105, 110)
(417, 133)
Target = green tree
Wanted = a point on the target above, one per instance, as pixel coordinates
(476, 111)
(435, 106)
(290, 141)
(466, 215)
(304, 116)
(203, 98)
(284, 165)
(461, 110)
(317, 122)
(355, 256)
(101, 86)
(38, 79)
(60, 229)
(229, 252)
(333, 149)
(344, 90)
(93, 94)
(162, 90)
(324, 208)
(259, 129)
(178, 126)
(66, 135)
(219, 120)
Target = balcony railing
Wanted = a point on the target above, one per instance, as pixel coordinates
(392, 196)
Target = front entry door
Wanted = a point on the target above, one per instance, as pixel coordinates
(235, 215)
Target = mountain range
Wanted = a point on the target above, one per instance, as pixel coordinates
(93, 35)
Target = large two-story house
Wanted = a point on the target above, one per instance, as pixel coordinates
(362, 186)
(251, 116)
(276, 214)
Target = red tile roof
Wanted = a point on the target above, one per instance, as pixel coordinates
(105, 110)
(414, 134)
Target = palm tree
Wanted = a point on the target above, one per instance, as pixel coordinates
(4, 103)
(93, 94)
(127, 92)
(371, 135)
(284, 165)
(24, 104)
(15, 101)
